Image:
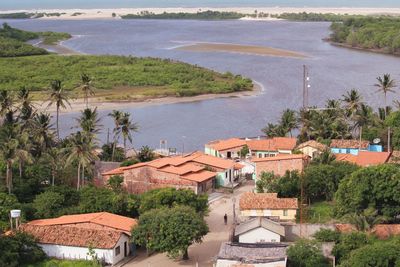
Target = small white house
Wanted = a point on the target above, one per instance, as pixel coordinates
(259, 230)
(103, 235)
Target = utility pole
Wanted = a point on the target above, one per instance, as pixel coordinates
(306, 86)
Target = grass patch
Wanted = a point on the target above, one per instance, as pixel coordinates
(320, 212)
(65, 263)
(117, 77)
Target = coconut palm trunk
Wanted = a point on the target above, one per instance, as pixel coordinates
(79, 176)
(9, 176)
(53, 176)
(58, 128)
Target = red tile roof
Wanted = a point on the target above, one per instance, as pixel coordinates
(385, 231)
(199, 177)
(274, 144)
(73, 236)
(365, 158)
(106, 219)
(281, 157)
(339, 143)
(221, 145)
(189, 167)
(261, 201)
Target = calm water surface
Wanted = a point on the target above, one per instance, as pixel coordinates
(333, 72)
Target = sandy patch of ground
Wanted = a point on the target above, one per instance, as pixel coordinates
(241, 49)
(204, 253)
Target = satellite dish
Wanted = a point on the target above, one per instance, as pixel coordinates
(376, 141)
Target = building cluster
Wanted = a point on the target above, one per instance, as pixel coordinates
(259, 238)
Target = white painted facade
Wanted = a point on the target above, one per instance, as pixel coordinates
(108, 255)
(230, 263)
(259, 235)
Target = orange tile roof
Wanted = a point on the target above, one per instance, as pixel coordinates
(280, 157)
(385, 231)
(345, 227)
(221, 145)
(346, 157)
(339, 143)
(73, 236)
(110, 220)
(199, 177)
(183, 169)
(313, 144)
(273, 144)
(212, 161)
(253, 201)
(365, 158)
(238, 166)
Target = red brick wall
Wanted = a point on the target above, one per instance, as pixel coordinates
(140, 180)
(279, 167)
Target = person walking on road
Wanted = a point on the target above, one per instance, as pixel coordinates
(226, 219)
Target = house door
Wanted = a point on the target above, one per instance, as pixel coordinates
(125, 249)
(229, 155)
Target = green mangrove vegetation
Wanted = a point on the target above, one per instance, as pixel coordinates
(375, 33)
(130, 77)
(201, 15)
(13, 41)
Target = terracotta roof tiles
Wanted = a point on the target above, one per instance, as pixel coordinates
(355, 144)
(73, 236)
(365, 158)
(253, 201)
(280, 157)
(110, 220)
(221, 145)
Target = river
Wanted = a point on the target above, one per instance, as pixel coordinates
(333, 71)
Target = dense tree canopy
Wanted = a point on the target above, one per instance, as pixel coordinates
(372, 187)
(306, 253)
(170, 197)
(170, 230)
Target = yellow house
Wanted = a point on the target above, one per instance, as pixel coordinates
(312, 148)
(268, 205)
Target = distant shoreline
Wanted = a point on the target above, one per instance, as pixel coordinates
(83, 14)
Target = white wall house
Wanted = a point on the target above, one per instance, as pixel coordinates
(234, 263)
(109, 256)
(74, 236)
(259, 230)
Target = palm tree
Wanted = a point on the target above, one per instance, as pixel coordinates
(288, 121)
(127, 128)
(89, 122)
(53, 157)
(8, 149)
(60, 98)
(82, 151)
(22, 153)
(116, 115)
(274, 130)
(86, 88)
(366, 221)
(6, 103)
(42, 132)
(352, 101)
(385, 85)
(363, 117)
(26, 107)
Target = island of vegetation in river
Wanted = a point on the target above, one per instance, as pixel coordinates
(116, 77)
(13, 41)
(125, 78)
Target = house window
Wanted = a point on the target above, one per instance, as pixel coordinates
(273, 240)
(117, 250)
(285, 213)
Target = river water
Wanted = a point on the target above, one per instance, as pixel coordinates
(333, 71)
